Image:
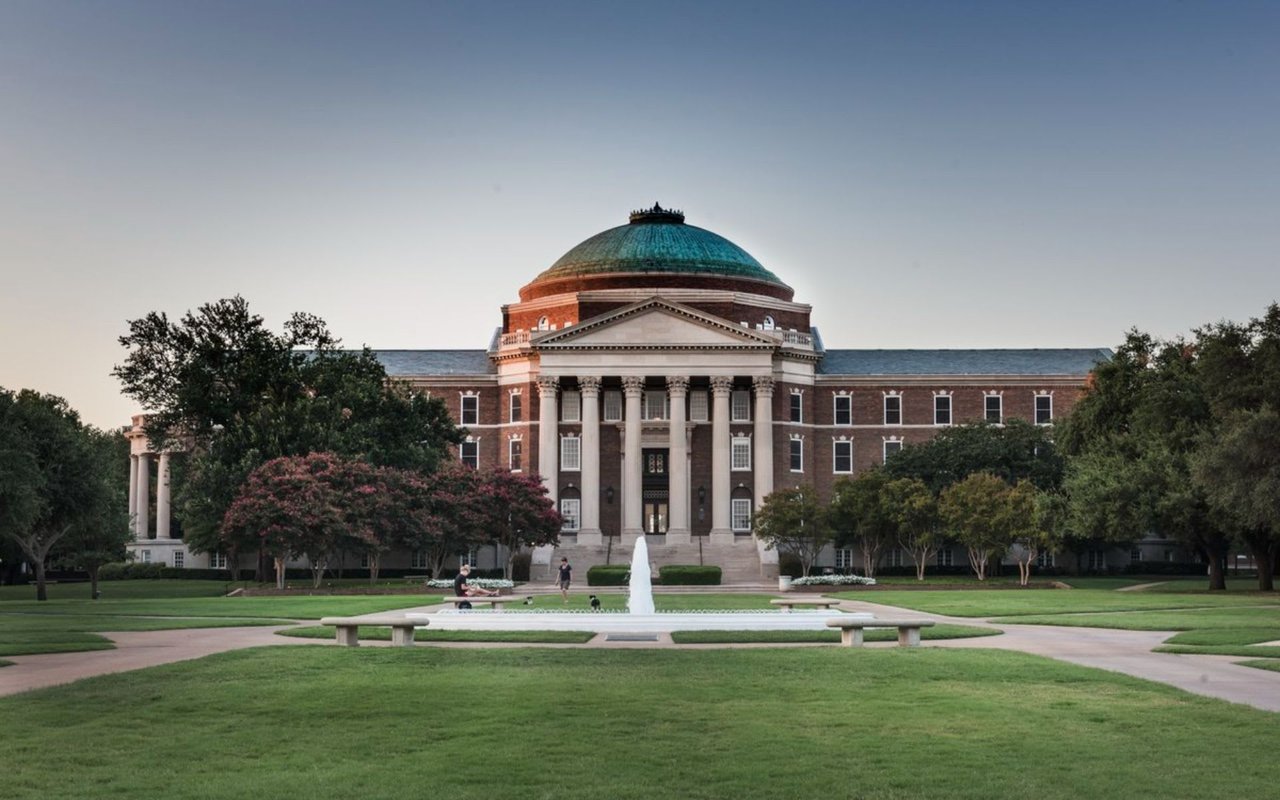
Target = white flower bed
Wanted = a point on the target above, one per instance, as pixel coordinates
(483, 583)
(834, 580)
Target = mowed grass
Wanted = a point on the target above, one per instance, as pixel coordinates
(29, 634)
(1018, 602)
(791, 637)
(428, 635)
(569, 724)
(119, 590)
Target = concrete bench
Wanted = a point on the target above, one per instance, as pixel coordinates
(348, 634)
(497, 602)
(788, 603)
(851, 629)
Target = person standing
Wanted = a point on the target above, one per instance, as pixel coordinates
(566, 574)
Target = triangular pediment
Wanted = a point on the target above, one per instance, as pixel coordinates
(655, 323)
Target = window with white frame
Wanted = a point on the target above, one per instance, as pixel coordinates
(570, 453)
(515, 455)
(468, 558)
(842, 457)
(469, 453)
(895, 557)
(470, 409)
(942, 409)
(797, 454)
(656, 404)
(1045, 559)
(844, 558)
(944, 558)
(1135, 555)
(740, 405)
(891, 446)
(797, 407)
(364, 561)
(768, 323)
(1044, 409)
(146, 556)
(613, 406)
(418, 559)
(993, 408)
(740, 516)
(179, 559)
(1097, 559)
(843, 414)
(571, 512)
(740, 453)
(544, 324)
(893, 409)
(516, 412)
(698, 406)
(217, 561)
(570, 406)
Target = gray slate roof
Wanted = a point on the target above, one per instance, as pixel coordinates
(405, 363)
(1078, 361)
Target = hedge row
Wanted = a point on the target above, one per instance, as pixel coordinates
(673, 575)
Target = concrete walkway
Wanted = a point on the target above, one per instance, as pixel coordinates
(1127, 652)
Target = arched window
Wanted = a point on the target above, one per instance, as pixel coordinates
(544, 324)
(768, 323)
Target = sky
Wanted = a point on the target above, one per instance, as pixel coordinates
(924, 174)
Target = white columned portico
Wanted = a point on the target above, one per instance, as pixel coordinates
(763, 456)
(589, 532)
(143, 508)
(548, 436)
(721, 388)
(678, 464)
(162, 498)
(632, 503)
(133, 495)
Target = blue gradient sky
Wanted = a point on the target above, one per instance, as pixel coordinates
(946, 174)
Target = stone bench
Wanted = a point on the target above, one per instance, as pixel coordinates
(788, 603)
(496, 602)
(851, 629)
(348, 634)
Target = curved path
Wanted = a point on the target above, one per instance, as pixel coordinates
(1127, 652)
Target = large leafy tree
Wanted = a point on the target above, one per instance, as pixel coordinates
(451, 515)
(514, 511)
(860, 513)
(240, 395)
(103, 539)
(1015, 451)
(794, 521)
(981, 514)
(56, 486)
(914, 511)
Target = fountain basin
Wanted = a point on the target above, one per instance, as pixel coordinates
(622, 622)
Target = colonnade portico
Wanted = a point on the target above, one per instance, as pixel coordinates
(141, 455)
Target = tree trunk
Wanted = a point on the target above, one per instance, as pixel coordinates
(279, 562)
(93, 581)
(375, 559)
(1263, 549)
(42, 593)
(1217, 578)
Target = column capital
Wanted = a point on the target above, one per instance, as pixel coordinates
(721, 385)
(678, 384)
(632, 385)
(589, 385)
(763, 384)
(548, 386)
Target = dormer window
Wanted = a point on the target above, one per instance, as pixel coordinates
(768, 324)
(544, 324)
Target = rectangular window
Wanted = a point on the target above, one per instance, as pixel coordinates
(656, 405)
(844, 409)
(612, 406)
(740, 519)
(570, 453)
(179, 559)
(740, 406)
(570, 406)
(844, 558)
(146, 556)
(740, 454)
(217, 561)
(517, 410)
(797, 455)
(1135, 555)
(942, 409)
(570, 510)
(470, 410)
(469, 558)
(944, 557)
(655, 463)
(470, 453)
(418, 559)
(797, 407)
(364, 561)
(891, 446)
(994, 408)
(842, 457)
(515, 455)
(1044, 409)
(893, 409)
(1097, 559)
(697, 406)
(896, 557)
(1045, 560)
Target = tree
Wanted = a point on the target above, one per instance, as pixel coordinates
(1029, 524)
(977, 513)
(915, 516)
(516, 512)
(451, 519)
(794, 521)
(859, 513)
(102, 539)
(1238, 469)
(53, 481)
(1014, 451)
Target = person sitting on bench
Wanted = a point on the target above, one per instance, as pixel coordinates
(463, 588)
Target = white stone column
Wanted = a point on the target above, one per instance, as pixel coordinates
(678, 464)
(162, 498)
(589, 533)
(721, 388)
(762, 458)
(548, 436)
(632, 503)
(144, 495)
(133, 495)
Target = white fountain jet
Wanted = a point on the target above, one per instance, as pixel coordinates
(641, 583)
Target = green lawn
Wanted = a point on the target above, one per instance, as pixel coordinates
(119, 590)
(283, 607)
(569, 724)
(27, 634)
(1011, 602)
(428, 635)
(1274, 666)
(785, 637)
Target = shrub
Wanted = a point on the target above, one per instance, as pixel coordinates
(690, 575)
(608, 575)
(788, 564)
(834, 580)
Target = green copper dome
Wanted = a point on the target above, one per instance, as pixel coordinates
(658, 241)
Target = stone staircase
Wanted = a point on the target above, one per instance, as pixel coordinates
(739, 562)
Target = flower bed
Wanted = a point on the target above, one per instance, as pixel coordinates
(483, 583)
(834, 580)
